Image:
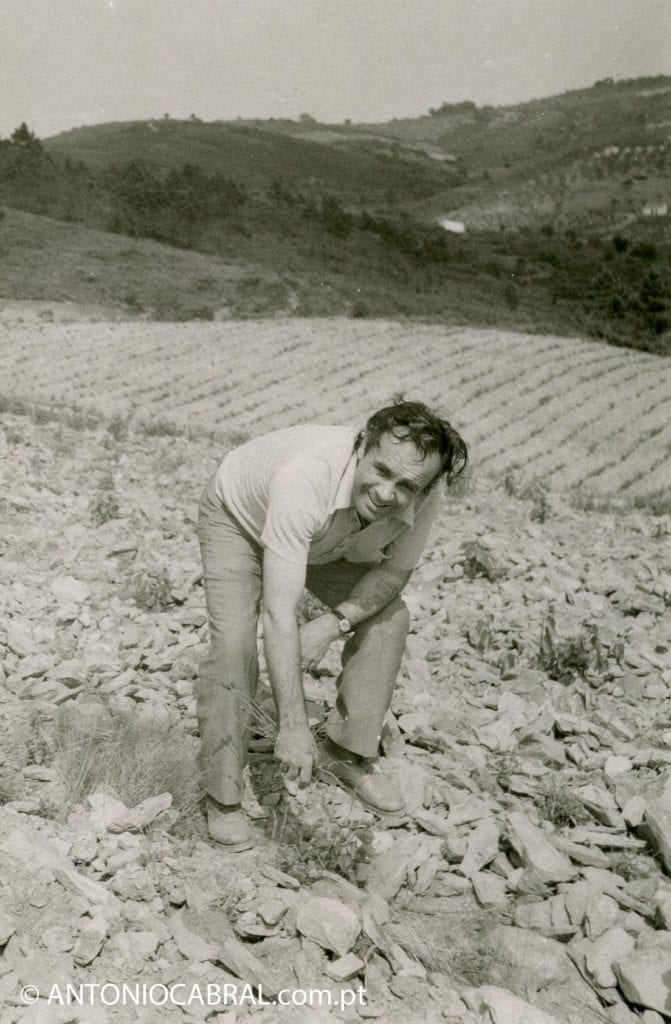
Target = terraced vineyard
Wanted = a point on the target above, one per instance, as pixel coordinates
(574, 412)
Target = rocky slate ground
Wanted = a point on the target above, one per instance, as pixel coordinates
(531, 732)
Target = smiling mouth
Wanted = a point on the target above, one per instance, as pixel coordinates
(376, 504)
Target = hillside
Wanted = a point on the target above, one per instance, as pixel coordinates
(48, 261)
(557, 197)
(518, 143)
(588, 156)
(567, 412)
(253, 155)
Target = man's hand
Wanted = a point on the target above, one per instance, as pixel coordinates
(296, 751)
(316, 637)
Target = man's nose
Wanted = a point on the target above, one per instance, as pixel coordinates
(385, 492)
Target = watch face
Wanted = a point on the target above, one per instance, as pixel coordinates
(344, 625)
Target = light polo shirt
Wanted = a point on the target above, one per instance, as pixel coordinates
(291, 491)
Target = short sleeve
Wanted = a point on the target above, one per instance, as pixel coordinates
(297, 508)
(407, 549)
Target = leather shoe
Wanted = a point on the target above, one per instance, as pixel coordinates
(361, 776)
(228, 827)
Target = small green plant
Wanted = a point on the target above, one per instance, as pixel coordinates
(12, 434)
(104, 505)
(535, 491)
(330, 848)
(480, 634)
(504, 766)
(496, 775)
(15, 406)
(630, 865)
(540, 504)
(557, 803)
(657, 504)
(510, 483)
(229, 901)
(306, 851)
(160, 428)
(479, 561)
(236, 438)
(151, 590)
(117, 425)
(63, 442)
(578, 656)
(583, 500)
(10, 786)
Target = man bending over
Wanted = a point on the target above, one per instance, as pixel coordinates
(346, 515)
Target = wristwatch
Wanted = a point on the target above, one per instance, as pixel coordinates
(344, 625)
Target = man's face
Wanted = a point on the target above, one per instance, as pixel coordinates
(389, 476)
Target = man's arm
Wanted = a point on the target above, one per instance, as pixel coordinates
(283, 584)
(374, 591)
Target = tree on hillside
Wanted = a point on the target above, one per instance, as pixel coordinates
(22, 136)
(23, 159)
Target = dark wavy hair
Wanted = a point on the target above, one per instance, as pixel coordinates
(429, 432)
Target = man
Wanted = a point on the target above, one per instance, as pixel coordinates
(346, 515)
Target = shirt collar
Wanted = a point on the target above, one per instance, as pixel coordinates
(343, 495)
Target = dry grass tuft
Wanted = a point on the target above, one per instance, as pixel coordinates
(135, 758)
(557, 803)
(455, 944)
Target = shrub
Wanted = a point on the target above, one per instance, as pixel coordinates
(306, 850)
(573, 657)
(511, 296)
(359, 310)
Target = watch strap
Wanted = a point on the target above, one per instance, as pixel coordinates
(344, 624)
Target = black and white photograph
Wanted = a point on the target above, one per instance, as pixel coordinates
(335, 524)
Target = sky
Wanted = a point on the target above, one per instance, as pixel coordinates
(66, 63)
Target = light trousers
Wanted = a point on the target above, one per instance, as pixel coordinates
(233, 581)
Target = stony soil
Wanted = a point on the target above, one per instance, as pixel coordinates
(529, 880)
